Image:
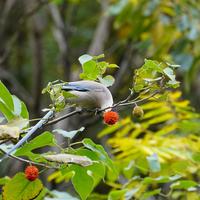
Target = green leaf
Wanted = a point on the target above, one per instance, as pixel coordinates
(10, 105)
(6, 112)
(151, 70)
(43, 140)
(113, 66)
(146, 195)
(19, 188)
(42, 195)
(180, 166)
(184, 184)
(97, 168)
(20, 108)
(107, 80)
(4, 180)
(82, 181)
(102, 67)
(154, 163)
(6, 97)
(153, 65)
(196, 157)
(99, 56)
(85, 58)
(24, 112)
(100, 152)
(90, 70)
(68, 134)
(117, 194)
(161, 179)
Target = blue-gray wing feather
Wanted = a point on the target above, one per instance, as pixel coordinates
(76, 87)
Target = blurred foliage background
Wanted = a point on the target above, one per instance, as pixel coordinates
(41, 41)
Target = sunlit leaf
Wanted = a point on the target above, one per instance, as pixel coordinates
(43, 140)
(20, 188)
(184, 184)
(68, 134)
(85, 58)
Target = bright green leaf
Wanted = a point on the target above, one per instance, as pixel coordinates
(90, 70)
(43, 140)
(20, 188)
(4, 180)
(6, 97)
(184, 184)
(117, 194)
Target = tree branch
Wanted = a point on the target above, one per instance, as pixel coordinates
(124, 102)
(63, 117)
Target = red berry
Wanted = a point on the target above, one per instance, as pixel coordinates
(110, 117)
(31, 173)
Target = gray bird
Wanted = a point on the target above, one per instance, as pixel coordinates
(89, 94)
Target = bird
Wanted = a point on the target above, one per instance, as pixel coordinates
(89, 94)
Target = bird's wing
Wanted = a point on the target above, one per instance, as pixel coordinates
(76, 87)
(83, 86)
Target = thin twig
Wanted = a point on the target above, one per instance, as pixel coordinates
(140, 100)
(63, 117)
(29, 161)
(120, 103)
